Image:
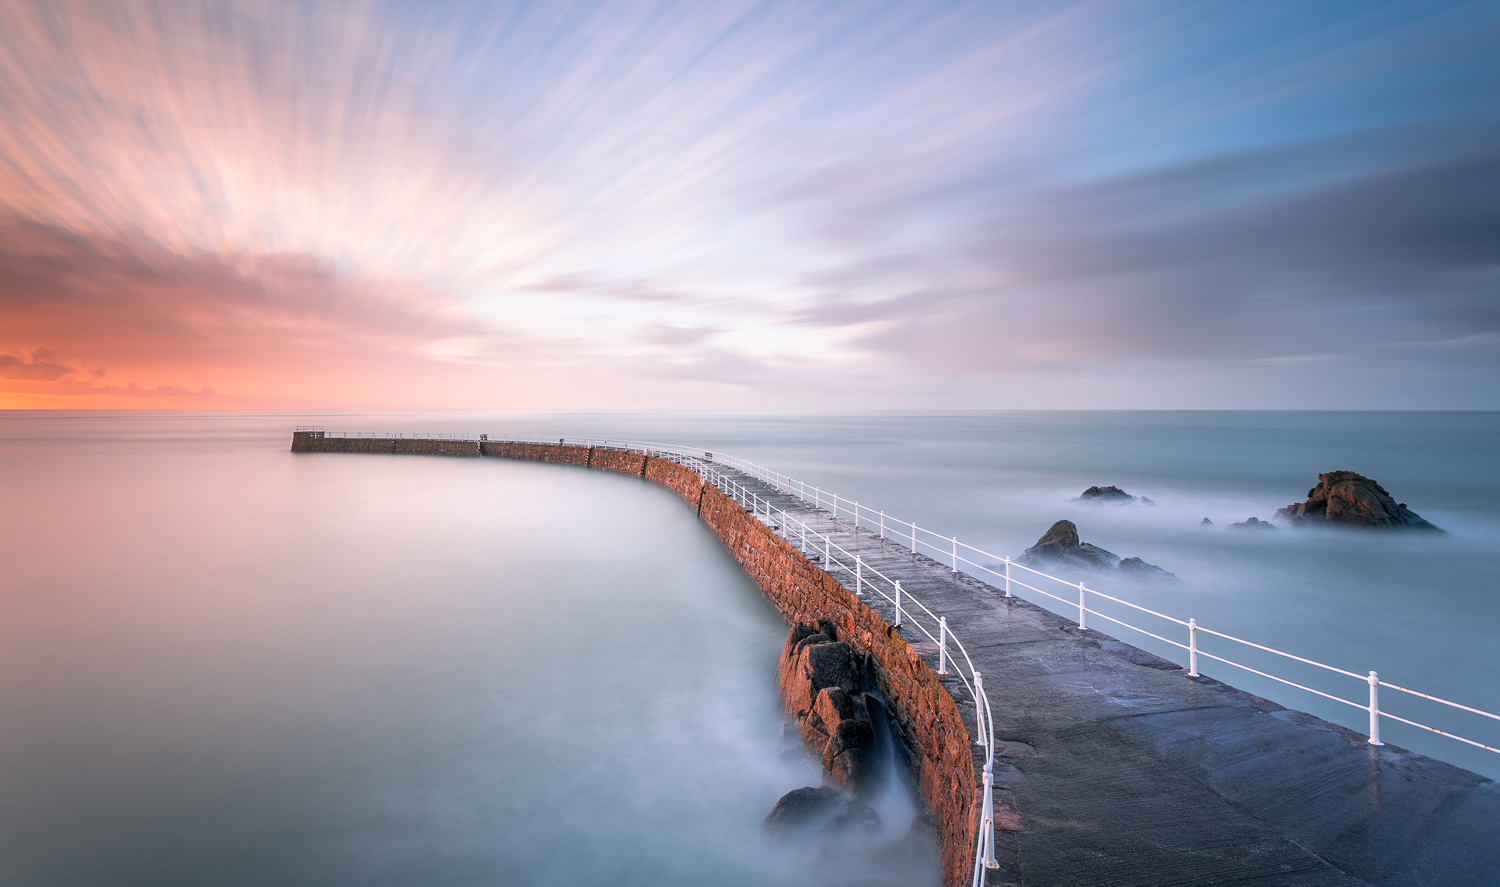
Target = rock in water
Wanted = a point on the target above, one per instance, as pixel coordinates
(1206, 523)
(1343, 498)
(802, 809)
(1111, 494)
(1253, 524)
(857, 817)
(1137, 567)
(1060, 545)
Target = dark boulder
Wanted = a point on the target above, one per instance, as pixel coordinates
(1344, 498)
(803, 809)
(1061, 547)
(832, 665)
(1253, 524)
(1061, 544)
(1111, 494)
(1206, 523)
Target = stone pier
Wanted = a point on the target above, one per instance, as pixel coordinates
(1114, 767)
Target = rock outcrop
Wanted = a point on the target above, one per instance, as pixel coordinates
(821, 680)
(1060, 546)
(1253, 524)
(1111, 494)
(1344, 498)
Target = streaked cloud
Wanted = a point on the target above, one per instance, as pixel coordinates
(749, 204)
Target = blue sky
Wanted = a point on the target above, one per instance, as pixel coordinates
(750, 205)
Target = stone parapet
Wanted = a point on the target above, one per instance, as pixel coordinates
(304, 442)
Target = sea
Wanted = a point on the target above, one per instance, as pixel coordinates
(222, 662)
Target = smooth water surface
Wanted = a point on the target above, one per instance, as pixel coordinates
(224, 663)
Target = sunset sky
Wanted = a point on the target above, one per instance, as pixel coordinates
(749, 205)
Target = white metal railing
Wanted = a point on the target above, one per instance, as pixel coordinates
(961, 557)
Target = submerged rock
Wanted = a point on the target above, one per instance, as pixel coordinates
(1253, 524)
(857, 817)
(1134, 566)
(802, 809)
(1111, 494)
(1206, 523)
(1060, 546)
(1344, 498)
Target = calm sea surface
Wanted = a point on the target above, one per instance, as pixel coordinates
(224, 663)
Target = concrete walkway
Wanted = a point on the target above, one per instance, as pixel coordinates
(1118, 769)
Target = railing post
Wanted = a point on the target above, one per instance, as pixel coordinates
(1007, 577)
(942, 645)
(955, 554)
(827, 555)
(882, 526)
(913, 537)
(803, 524)
(979, 709)
(897, 623)
(1192, 648)
(1375, 709)
(1083, 613)
(835, 497)
(988, 835)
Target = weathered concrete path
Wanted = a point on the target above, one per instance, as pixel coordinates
(1118, 769)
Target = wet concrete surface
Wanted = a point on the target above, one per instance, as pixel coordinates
(1116, 768)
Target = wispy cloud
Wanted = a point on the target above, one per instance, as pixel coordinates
(902, 204)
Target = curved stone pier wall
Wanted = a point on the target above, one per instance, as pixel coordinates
(302, 442)
(929, 720)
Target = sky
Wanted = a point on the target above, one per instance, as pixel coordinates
(749, 205)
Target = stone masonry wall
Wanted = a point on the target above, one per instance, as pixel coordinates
(930, 723)
(302, 442)
(537, 452)
(680, 479)
(614, 460)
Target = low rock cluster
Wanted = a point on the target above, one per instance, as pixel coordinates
(821, 680)
(1060, 546)
(1350, 499)
(1101, 495)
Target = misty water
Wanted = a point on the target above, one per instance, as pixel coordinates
(224, 663)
